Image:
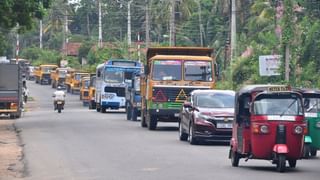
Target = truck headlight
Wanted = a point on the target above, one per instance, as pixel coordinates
(298, 130)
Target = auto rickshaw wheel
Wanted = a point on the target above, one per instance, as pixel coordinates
(281, 164)
(313, 152)
(235, 158)
(292, 163)
(306, 151)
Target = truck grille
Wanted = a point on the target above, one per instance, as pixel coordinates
(120, 91)
(171, 94)
(46, 76)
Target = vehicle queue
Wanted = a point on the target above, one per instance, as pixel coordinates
(268, 122)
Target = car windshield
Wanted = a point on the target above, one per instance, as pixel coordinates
(166, 70)
(215, 100)
(197, 71)
(113, 75)
(277, 105)
(312, 105)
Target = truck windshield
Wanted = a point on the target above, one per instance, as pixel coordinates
(86, 84)
(79, 76)
(215, 100)
(113, 75)
(166, 70)
(62, 74)
(46, 69)
(277, 105)
(197, 71)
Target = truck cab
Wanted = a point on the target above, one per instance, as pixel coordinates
(58, 77)
(42, 73)
(133, 98)
(84, 90)
(73, 81)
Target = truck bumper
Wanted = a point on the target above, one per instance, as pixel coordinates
(166, 115)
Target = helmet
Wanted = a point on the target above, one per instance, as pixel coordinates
(59, 88)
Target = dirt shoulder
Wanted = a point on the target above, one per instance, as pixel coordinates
(11, 154)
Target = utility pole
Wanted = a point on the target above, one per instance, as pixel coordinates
(139, 53)
(100, 25)
(129, 23)
(40, 38)
(17, 44)
(200, 23)
(65, 31)
(233, 30)
(172, 23)
(147, 25)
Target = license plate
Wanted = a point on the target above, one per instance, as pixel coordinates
(59, 102)
(224, 125)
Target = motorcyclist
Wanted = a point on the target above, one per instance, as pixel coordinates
(58, 95)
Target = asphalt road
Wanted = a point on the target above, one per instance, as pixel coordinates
(83, 144)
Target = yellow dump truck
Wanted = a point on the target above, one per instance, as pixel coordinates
(58, 77)
(73, 81)
(84, 90)
(92, 91)
(170, 75)
(42, 73)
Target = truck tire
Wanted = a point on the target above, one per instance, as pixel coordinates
(12, 116)
(93, 104)
(152, 122)
(143, 119)
(128, 111)
(103, 110)
(134, 114)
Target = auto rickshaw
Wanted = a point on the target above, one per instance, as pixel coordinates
(269, 124)
(311, 104)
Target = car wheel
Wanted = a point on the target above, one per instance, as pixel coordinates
(182, 135)
(192, 139)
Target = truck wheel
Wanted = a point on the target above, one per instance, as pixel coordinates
(281, 164)
(134, 115)
(93, 104)
(12, 116)
(152, 122)
(182, 135)
(143, 119)
(128, 111)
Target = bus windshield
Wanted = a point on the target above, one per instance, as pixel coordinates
(197, 71)
(113, 75)
(166, 70)
(277, 105)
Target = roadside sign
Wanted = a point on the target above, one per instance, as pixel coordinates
(269, 65)
(63, 63)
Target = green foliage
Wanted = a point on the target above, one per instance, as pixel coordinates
(41, 56)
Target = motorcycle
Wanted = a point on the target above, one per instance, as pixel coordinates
(59, 105)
